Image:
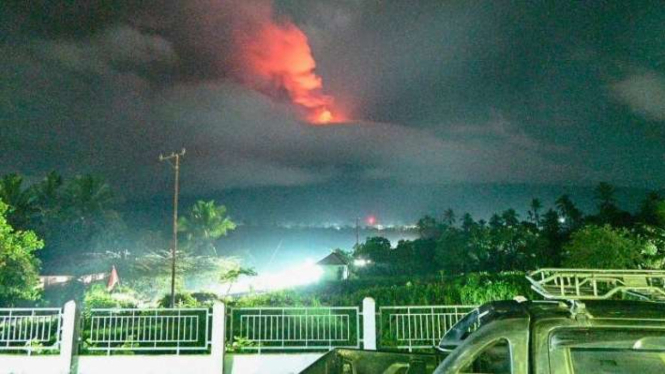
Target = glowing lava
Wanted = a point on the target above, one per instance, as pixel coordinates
(323, 117)
(275, 58)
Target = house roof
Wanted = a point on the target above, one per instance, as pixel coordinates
(333, 259)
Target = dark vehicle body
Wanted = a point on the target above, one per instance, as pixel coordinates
(359, 361)
(530, 337)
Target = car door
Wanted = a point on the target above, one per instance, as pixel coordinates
(500, 347)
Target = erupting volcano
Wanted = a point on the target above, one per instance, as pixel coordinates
(275, 58)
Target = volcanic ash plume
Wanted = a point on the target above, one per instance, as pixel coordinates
(275, 58)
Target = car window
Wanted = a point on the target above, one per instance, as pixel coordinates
(609, 338)
(608, 350)
(617, 361)
(494, 359)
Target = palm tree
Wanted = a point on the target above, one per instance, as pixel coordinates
(467, 222)
(568, 212)
(648, 213)
(47, 191)
(427, 227)
(534, 212)
(608, 212)
(88, 196)
(21, 201)
(510, 217)
(205, 224)
(88, 207)
(605, 195)
(48, 197)
(449, 217)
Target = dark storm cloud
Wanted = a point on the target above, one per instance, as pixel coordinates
(443, 92)
(558, 71)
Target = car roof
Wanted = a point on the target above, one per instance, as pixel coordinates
(551, 309)
(596, 308)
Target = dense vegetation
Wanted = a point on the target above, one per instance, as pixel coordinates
(469, 261)
(455, 259)
(18, 265)
(475, 288)
(562, 236)
(82, 232)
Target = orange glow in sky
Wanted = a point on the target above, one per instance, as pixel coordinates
(276, 59)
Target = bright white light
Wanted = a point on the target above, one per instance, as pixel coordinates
(360, 262)
(562, 219)
(303, 274)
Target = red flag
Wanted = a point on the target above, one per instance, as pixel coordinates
(113, 279)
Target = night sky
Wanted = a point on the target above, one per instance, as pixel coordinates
(539, 92)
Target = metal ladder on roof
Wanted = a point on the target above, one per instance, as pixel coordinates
(597, 284)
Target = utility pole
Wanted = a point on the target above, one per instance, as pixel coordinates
(174, 248)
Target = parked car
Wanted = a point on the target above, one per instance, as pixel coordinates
(579, 328)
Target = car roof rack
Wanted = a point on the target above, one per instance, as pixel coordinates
(597, 284)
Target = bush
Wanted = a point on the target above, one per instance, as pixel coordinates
(475, 288)
(480, 288)
(182, 300)
(206, 299)
(603, 247)
(99, 297)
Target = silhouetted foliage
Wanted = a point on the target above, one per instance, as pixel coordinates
(19, 268)
(560, 235)
(78, 220)
(19, 199)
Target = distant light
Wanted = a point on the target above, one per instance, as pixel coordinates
(361, 262)
(562, 219)
(305, 273)
(371, 220)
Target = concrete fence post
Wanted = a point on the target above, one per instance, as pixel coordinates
(68, 343)
(369, 324)
(218, 337)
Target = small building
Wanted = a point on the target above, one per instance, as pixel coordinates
(334, 267)
(48, 281)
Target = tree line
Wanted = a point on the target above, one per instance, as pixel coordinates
(73, 227)
(562, 236)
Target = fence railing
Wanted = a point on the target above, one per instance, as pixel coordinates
(30, 329)
(248, 329)
(314, 328)
(417, 327)
(146, 330)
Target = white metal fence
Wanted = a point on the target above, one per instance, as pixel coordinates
(314, 328)
(30, 329)
(147, 330)
(248, 329)
(417, 327)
